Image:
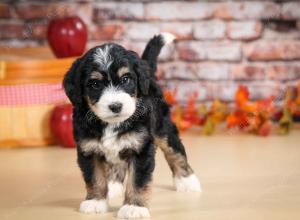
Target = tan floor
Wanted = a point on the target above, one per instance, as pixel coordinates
(243, 177)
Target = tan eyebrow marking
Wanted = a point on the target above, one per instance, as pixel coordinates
(96, 75)
(122, 71)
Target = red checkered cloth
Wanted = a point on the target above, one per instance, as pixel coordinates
(32, 94)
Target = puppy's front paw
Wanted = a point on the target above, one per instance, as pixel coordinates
(132, 212)
(114, 189)
(187, 184)
(93, 206)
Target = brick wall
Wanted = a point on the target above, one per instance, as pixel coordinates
(220, 45)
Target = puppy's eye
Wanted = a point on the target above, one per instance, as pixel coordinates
(125, 79)
(95, 84)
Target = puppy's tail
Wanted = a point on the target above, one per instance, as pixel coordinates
(153, 49)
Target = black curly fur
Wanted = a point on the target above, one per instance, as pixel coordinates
(153, 114)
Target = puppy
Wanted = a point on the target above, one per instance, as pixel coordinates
(120, 116)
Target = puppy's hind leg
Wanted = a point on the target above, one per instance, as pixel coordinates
(184, 178)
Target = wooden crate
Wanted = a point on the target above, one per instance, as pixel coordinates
(28, 125)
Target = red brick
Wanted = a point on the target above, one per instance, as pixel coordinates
(271, 34)
(283, 71)
(187, 52)
(223, 51)
(4, 11)
(248, 72)
(272, 71)
(167, 52)
(182, 31)
(137, 46)
(207, 90)
(179, 70)
(37, 30)
(280, 50)
(107, 32)
(209, 30)
(212, 71)
(194, 51)
(54, 10)
(50, 10)
(13, 30)
(120, 10)
(85, 12)
(290, 10)
(224, 91)
(186, 88)
(141, 31)
(244, 30)
(262, 90)
(94, 43)
(178, 10)
(247, 10)
(258, 90)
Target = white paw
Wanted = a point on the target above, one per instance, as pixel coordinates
(114, 189)
(187, 184)
(132, 211)
(93, 206)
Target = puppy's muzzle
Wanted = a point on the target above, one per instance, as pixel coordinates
(116, 107)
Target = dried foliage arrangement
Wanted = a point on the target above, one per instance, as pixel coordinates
(262, 117)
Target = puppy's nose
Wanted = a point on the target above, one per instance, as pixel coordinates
(115, 107)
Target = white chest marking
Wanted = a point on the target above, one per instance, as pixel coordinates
(111, 143)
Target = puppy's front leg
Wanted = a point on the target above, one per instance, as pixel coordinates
(96, 185)
(138, 186)
(116, 176)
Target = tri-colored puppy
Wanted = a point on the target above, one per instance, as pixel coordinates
(120, 116)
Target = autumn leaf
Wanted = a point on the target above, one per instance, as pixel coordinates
(218, 111)
(298, 95)
(237, 119)
(266, 105)
(242, 96)
(288, 97)
(231, 120)
(286, 122)
(202, 110)
(177, 114)
(255, 121)
(190, 112)
(265, 129)
(277, 114)
(249, 107)
(209, 127)
(202, 114)
(170, 96)
(184, 125)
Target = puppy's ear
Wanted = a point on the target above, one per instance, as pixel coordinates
(143, 73)
(71, 83)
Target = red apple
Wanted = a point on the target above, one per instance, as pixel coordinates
(61, 125)
(67, 36)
